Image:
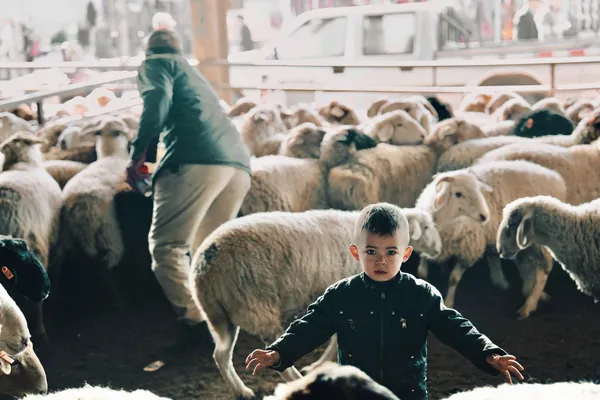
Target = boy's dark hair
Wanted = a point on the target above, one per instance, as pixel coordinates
(163, 40)
(383, 219)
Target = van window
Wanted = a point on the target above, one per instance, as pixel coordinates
(318, 38)
(389, 34)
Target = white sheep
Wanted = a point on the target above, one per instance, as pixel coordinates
(480, 193)
(570, 232)
(578, 110)
(513, 109)
(30, 203)
(89, 392)
(578, 165)
(89, 220)
(24, 376)
(465, 154)
(262, 130)
(426, 116)
(10, 124)
(254, 272)
(281, 183)
(333, 381)
(499, 98)
(14, 332)
(63, 170)
(475, 101)
(337, 113)
(452, 131)
(395, 127)
(530, 391)
(552, 104)
(303, 141)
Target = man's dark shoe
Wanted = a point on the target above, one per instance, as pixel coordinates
(191, 336)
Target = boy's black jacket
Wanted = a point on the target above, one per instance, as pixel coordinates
(382, 329)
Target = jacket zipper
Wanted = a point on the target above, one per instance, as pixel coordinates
(381, 344)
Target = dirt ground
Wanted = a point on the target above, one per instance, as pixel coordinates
(101, 346)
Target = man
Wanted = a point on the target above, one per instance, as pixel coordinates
(246, 42)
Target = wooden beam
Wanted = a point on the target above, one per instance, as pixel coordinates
(209, 26)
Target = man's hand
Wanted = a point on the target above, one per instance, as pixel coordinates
(133, 174)
(506, 365)
(260, 359)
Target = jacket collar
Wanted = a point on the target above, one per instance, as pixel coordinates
(387, 285)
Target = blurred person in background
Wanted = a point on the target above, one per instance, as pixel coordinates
(525, 27)
(246, 42)
(201, 180)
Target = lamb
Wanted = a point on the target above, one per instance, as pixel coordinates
(251, 273)
(89, 220)
(528, 391)
(499, 98)
(578, 165)
(337, 113)
(480, 193)
(25, 375)
(512, 109)
(30, 203)
(89, 392)
(281, 183)
(416, 108)
(475, 102)
(465, 154)
(395, 127)
(63, 170)
(262, 130)
(551, 104)
(304, 141)
(388, 173)
(332, 381)
(569, 231)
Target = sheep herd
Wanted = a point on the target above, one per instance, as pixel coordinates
(497, 177)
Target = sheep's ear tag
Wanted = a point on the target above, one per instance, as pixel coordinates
(530, 123)
(7, 273)
(6, 362)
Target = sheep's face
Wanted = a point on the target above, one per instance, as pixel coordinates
(22, 147)
(424, 236)
(304, 141)
(588, 130)
(515, 232)
(336, 148)
(71, 137)
(24, 376)
(397, 128)
(461, 193)
(112, 139)
(452, 131)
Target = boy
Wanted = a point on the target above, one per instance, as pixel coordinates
(382, 316)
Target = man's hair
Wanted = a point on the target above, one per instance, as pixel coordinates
(164, 39)
(383, 219)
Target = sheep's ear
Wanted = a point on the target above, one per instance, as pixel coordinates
(443, 192)
(415, 230)
(5, 363)
(386, 132)
(525, 230)
(431, 109)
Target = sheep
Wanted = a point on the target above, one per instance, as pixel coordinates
(384, 172)
(85, 153)
(543, 122)
(256, 271)
(455, 130)
(24, 112)
(241, 107)
(63, 170)
(281, 183)
(10, 124)
(480, 193)
(443, 110)
(30, 203)
(302, 114)
(579, 109)
(337, 113)
(52, 130)
(24, 376)
(89, 220)
(528, 391)
(578, 165)
(475, 102)
(374, 108)
(89, 392)
(465, 154)
(551, 104)
(303, 141)
(569, 231)
(332, 381)
(395, 127)
(416, 109)
(260, 130)
(512, 109)
(499, 98)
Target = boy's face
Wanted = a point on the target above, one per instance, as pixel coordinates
(381, 256)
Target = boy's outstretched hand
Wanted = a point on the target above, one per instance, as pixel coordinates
(506, 365)
(260, 359)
